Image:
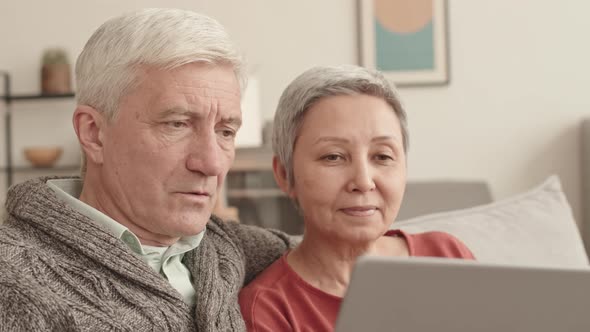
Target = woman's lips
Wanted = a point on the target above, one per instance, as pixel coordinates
(360, 211)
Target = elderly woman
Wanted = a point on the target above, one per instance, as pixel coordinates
(340, 141)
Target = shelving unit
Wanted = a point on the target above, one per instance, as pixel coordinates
(8, 98)
(251, 188)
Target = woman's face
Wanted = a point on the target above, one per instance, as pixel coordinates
(349, 168)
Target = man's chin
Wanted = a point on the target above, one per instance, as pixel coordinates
(194, 226)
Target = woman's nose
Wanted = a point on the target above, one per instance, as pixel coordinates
(361, 179)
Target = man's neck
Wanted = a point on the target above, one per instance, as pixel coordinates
(99, 200)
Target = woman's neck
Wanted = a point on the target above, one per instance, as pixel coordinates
(327, 264)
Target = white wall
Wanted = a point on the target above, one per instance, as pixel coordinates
(512, 112)
(510, 116)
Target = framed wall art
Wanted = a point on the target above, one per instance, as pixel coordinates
(405, 39)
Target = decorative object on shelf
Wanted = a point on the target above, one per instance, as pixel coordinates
(43, 156)
(250, 134)
(405, 39)
(55, 72)
(7, 99)
(267, 133)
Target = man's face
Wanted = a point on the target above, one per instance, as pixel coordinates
(167, 152)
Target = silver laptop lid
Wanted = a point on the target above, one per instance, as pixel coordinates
(450, 295)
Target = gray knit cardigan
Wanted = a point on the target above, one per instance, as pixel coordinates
(59, 271)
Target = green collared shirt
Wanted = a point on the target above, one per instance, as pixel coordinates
(165, 260)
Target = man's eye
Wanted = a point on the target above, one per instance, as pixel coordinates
(229, 133)
(178, 124)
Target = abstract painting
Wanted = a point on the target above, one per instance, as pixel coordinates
(405, 39)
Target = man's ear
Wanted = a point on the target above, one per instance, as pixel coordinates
(89, 125)
(280, 174)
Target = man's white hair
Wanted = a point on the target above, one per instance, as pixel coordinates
(156, 37)
(162, 38)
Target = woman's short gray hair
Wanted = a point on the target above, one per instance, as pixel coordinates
(320, 82)
(155, 37)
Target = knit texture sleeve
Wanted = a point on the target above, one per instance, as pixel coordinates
(25, 306)
(230, 255)
(259, 246)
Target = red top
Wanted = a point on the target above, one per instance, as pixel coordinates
(280, 300)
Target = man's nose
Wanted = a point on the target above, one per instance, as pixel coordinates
(361, 179)
(205, 155)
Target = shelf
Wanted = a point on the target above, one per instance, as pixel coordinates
(8, 98)
(28, 169)
(252, 159)
(38, 96)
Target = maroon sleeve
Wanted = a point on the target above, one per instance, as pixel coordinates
(262, 311)
(438, 244)
(279, 300)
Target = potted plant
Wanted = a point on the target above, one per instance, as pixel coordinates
(55, 72)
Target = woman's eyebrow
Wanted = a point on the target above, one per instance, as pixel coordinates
(331, 139)
(385, 138)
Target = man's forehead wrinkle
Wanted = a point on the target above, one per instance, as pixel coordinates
(210, 85)
(206, 94)
(209, 92)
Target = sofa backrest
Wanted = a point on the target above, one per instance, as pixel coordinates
(426, 197)
(533, 228)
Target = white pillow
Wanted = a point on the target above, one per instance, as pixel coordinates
(533, 228)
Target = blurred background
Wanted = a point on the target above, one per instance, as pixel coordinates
(510, 115)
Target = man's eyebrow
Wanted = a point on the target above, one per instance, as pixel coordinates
(176, 111)
(232, 120)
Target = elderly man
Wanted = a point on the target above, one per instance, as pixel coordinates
(132, 245)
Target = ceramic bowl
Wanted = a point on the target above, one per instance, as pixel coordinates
(43, 156)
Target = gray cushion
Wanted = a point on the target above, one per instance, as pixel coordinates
(426, 197)
(533, 228)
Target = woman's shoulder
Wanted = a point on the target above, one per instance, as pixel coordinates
(266, 293)
(436, 244)
(271, 278)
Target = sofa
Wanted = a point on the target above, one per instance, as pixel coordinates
(425, 197)
(534, 228)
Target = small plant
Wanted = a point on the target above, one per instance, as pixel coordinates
(55, 72)
(55, 56)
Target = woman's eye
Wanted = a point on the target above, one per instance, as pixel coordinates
(383, 157)
(332, 157)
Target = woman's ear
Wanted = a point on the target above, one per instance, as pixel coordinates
(89, 125)
(280, 174)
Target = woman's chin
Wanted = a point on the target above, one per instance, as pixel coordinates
(361, 236)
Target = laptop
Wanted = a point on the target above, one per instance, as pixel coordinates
(421, 294)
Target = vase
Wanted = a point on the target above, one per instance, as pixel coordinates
(55, 79)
